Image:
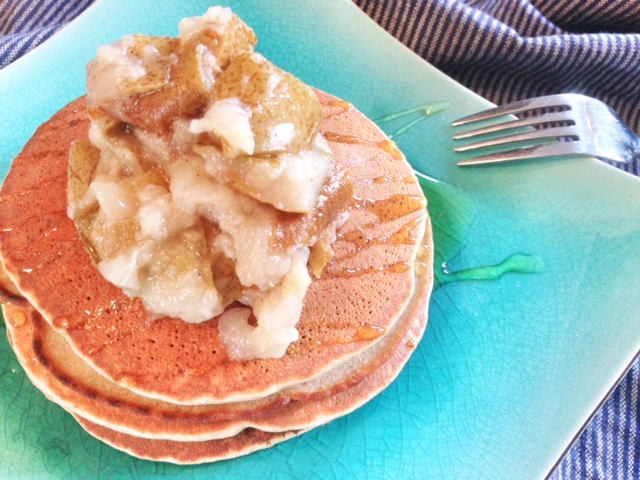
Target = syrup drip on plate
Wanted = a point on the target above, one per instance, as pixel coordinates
(451, 211)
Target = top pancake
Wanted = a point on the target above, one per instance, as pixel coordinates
(360, 296)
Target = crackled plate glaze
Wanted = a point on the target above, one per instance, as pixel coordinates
(510, 368)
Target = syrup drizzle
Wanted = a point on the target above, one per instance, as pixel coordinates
(387, 145)
(391, 208)
(425, 111)
(516, 263)
(386, 210)
(341, 107)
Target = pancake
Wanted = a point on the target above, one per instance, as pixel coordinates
(251, 439)
(65, 379)
(362, 293)
(186, 453)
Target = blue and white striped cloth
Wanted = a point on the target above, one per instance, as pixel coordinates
(504, 50)
(25, 24)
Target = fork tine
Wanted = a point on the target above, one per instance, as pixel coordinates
(542, 134)
(527, 153)
(526, 122)
(548, 101)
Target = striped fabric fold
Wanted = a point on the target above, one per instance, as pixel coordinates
(24, 24)
(618, 16)
(504, 50)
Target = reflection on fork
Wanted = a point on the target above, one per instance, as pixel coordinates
(554, 126)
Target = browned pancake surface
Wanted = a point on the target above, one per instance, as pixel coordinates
(67, 380)
(360, 295)
(251, 439)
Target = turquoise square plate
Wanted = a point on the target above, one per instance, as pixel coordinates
(511, 367)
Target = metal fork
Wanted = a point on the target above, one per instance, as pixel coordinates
(555, 126)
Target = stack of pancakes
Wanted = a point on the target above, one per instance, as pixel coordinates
(165, 389)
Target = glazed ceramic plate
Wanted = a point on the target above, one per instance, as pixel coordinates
(511, 367)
